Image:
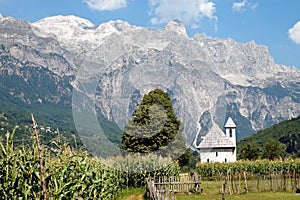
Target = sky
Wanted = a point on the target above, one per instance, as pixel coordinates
(273, 23)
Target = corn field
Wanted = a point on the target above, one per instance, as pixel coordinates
(70, 174)
(137, 168)
(75, 174)
(254, 176)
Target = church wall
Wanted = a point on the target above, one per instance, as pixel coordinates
(217, 155)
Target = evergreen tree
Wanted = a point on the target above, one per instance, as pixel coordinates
(153, 126)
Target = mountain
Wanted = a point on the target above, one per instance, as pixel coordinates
(286, 132)
(102, 72)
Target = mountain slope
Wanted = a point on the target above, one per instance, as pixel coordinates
(286, 132)
(111, 66)
(36, 76)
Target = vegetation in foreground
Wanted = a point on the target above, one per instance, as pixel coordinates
(74, 173)
(71, 174)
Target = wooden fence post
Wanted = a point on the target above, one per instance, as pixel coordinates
(246, 184)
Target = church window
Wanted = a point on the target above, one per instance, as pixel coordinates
(216, 154)
(230, 132)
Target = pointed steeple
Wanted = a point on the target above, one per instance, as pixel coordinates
(230, 123)
(230, 130)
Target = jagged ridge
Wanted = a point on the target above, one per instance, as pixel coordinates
(201, 74)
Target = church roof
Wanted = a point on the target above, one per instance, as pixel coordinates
(215, 138)
(230, 123)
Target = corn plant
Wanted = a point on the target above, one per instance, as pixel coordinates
(19, 173)
(69, 174)
(137, 167)
(264, 175)
(77, 174)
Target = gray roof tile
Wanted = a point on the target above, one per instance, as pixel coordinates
(216, 139)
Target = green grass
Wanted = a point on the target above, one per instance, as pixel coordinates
(212, 191)
(249, 196)
(132, 193)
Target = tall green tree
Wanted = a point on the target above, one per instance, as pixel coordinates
(272, 150)
(250, 152)
(153, 125)
(184, 159)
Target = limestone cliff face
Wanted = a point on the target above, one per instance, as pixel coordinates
(116, 63)
(33, 70)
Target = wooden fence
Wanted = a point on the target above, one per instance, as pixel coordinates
(277, 182)
(164, 188)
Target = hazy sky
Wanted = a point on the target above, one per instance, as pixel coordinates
(274, 23)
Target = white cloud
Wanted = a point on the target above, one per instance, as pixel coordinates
(294, 33)
(240, 6)
(243, 5)
(190, 12)
(106, 4)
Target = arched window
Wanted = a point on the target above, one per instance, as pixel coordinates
(216, 154)
(226, 160)
(230, 132)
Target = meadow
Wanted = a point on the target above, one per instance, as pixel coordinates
(211, 191)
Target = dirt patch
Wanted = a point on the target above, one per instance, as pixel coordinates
(134, 197)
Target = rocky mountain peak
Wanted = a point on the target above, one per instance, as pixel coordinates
(177, 26)
(77, 34)
(17, 28)
(65, 21)
(117, 25)
(69, 30)
(7, 18)
(201, 74)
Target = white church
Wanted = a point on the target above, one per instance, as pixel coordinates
(218, 146)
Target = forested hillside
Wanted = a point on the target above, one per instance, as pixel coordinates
(286, 133)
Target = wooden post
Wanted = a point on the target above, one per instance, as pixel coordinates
(229, 186)
(224, 187)
(246, 184)
(239, 184)
(43, 181)
(272, 183)
(196, 180)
